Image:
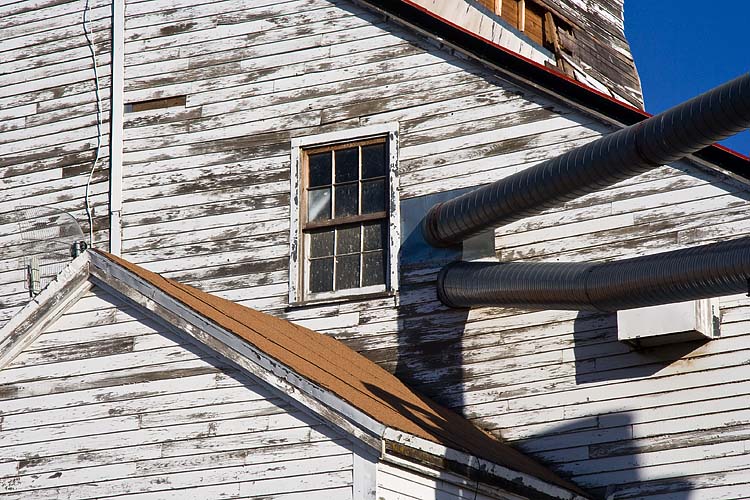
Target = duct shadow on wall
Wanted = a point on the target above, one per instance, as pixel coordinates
(599, 356)
(429, 355)
(600, 455)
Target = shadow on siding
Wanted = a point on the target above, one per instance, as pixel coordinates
(600, 357)
(430, 355)
(599, 454)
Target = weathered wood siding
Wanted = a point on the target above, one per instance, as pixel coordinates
(396, 483)
(206, 188)
(48, 121)
(206, 194)
(207, 197)
(107, 403)
(658, 423)
(599, 45)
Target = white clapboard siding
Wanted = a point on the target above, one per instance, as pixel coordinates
(396, 483)
(206, 194)
(48, 119)
(141, 432)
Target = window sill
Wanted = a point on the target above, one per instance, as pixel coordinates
(341, 299)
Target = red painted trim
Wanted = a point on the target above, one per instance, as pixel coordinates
(517, 55)
(552, 72)
(732, 152)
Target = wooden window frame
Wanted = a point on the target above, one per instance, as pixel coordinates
(299, 273)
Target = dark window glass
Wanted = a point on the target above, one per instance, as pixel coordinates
(347, 240)
(321, 243)
(320, 169)
(373, 161)
(374, 236)
(347, 272)
(374, 268)
(348, 182)
(347, 165)
(373, 196)
(319, 204)
(321, 275)
(347, 200)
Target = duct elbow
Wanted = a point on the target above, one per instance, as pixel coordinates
(445, 295)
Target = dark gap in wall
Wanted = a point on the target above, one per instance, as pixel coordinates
(85, 168)
(164, 102)
(72, 171)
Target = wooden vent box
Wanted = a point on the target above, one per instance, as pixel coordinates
(669, 323)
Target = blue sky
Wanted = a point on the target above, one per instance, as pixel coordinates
(685, 47)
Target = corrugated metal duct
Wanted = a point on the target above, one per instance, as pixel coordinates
(661, 139)
(689, 274)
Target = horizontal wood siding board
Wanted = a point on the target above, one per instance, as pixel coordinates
(206, 201)
(144, 428)
(16, 27)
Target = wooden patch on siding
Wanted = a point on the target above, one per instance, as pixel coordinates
(165, 102)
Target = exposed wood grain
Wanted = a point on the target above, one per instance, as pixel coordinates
(207, 199)
(136, 434)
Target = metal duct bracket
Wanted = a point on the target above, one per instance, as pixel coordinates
(694, 320)
(416, 252)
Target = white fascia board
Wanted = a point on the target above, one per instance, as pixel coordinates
(305, 393)
(43, 309)
(319, 400)
(476, 463)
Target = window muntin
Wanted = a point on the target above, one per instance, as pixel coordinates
(378, 229)
(345, 218)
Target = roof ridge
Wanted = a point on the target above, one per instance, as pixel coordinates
(379, 394)
(266, 344)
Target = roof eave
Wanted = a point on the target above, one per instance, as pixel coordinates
(548, 81)
(420, 451)
(324, 403)
(94, 268)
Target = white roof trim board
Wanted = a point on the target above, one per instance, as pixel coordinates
(92, 268)
(44, 309)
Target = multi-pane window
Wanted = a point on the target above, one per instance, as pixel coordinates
(345, 217)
